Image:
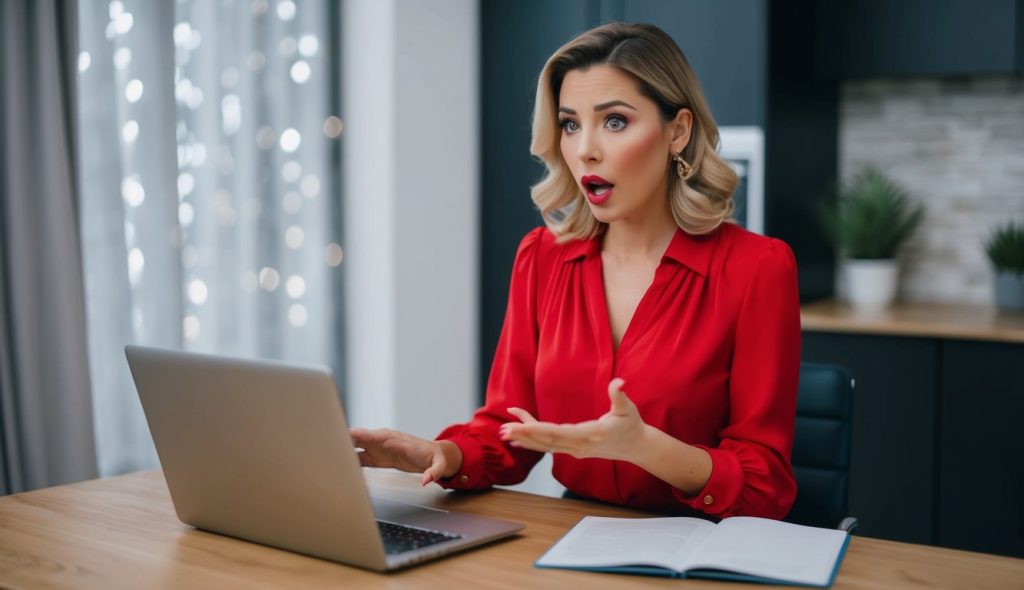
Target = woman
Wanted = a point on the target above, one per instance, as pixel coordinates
(648, 344)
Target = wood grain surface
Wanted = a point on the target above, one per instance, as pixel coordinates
(122, 532)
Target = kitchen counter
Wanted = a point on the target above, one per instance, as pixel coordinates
(933, 320)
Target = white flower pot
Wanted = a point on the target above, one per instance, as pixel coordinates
(871, 284)
(1009, 288)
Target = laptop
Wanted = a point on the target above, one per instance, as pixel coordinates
(260, 450)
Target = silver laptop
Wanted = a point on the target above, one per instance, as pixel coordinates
(260, 450)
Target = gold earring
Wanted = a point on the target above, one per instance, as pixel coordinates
(683, 168)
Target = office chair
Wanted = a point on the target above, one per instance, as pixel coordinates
(821, 447)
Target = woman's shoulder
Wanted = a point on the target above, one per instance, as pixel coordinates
(540, 243)
(533, 237)
(743, 249)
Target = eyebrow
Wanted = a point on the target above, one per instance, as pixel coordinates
(600, 107)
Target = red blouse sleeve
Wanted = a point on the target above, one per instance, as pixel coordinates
(751, 471)
(486, 460)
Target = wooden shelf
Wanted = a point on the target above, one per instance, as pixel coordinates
(931, 320)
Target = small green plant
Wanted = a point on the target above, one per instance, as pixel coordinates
(871, 218)
(1005, 248)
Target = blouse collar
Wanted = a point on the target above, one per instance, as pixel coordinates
(690, 250)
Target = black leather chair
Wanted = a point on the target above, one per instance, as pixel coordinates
(821, 448)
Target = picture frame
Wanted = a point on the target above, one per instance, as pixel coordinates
(743, 148)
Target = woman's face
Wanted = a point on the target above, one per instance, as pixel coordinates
(616, 144)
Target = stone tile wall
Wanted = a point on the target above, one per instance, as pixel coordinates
(957, 145)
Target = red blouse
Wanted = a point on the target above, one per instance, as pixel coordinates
(711, 357)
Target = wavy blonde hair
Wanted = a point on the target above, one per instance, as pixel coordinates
(700, 203)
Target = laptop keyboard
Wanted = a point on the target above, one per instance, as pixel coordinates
(400, 538)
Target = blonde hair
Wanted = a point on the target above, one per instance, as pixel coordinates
(700, 203)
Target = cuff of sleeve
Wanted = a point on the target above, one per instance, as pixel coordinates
(470, 474)
(723, 487)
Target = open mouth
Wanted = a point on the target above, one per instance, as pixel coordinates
(598, 189)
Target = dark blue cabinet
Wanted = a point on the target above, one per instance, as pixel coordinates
(937, 454)
(981, 447)
(882, 38)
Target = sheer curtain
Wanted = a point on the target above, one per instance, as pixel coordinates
(209, 178)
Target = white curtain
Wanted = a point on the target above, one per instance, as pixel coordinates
(209, 177)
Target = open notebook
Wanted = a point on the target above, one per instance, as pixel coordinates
(738, 548)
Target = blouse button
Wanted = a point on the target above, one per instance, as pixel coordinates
(708, 500)
(465, 479)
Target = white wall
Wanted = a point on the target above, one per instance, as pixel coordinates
(410, 105)
(410, 179)
(438, 212)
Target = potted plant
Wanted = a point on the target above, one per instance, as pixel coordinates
(1006, 251)
(869, 221)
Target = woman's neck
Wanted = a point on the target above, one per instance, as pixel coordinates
(645, 238)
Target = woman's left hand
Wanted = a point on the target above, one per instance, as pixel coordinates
(618, 434)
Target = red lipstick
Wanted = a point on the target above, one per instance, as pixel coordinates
(598, 190)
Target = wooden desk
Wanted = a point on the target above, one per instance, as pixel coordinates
(121, 532)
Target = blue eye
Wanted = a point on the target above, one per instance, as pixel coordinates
(568, 125)
(615, 122)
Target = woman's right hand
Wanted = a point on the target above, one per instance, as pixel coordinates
(391, 448)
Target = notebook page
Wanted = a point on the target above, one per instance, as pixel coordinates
(608, 542)
(771, 549)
